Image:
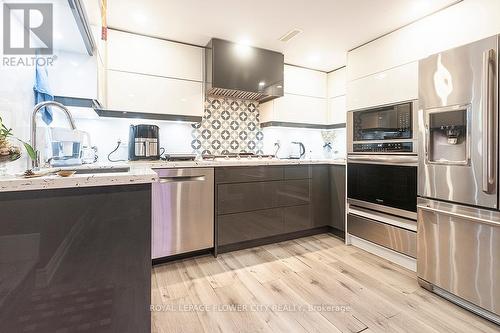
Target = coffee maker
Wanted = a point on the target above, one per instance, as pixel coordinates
(144, 142)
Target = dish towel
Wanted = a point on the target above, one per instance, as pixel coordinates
(42, 92)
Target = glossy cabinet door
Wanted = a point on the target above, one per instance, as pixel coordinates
(255, 206)
(247, 226)
(256, 203)
(321, 195)
(145, 55)
(298, 172)
(241, 197)
(298, 218)
(305, 82)
(304, 101)
(248, 174)
(76, 259)
(337, 110)
(151, 94)
(337, 178)
(82, 82)
(337, 82)
(391, 86)
(336, 104)
(300, 109)
(432, 34)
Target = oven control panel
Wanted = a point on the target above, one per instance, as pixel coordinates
(385, 147)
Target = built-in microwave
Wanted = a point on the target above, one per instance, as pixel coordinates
(383, 129)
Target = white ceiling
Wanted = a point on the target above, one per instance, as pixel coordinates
(330, 27)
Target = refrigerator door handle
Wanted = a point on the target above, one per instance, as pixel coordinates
(459, 215)
(488, 114)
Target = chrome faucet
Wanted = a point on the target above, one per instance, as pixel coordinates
(35, 164)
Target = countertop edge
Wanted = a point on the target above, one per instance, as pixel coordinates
(140, 173)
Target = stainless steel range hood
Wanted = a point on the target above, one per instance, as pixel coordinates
(243, 72)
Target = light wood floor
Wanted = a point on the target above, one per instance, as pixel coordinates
(320, 270)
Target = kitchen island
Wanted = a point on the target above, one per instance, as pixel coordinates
(75, 252)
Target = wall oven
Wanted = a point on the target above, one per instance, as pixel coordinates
(384, 183)
(382, 176)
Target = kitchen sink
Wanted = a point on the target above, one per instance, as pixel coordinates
(102, 170)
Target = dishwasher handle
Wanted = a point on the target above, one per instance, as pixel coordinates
(178, 179)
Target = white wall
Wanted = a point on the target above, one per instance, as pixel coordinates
(311, 138)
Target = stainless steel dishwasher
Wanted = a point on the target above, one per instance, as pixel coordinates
(183, 211)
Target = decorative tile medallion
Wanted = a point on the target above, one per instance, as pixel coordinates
(228, 126)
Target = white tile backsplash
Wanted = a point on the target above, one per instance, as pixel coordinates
(311, 138)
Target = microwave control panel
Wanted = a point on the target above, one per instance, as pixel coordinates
(385, 147)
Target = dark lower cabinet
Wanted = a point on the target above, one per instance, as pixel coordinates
(240, 227)
(255, 204)
(297, 218)
(321, 195)
(337, 196)
(242, 197)
(76, 260)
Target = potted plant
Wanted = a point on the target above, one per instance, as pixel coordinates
(8, 151)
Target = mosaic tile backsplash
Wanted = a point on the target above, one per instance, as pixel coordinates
(228, 126)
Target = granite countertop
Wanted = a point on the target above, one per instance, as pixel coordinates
(140, 172)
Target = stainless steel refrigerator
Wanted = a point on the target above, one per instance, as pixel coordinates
(458, 236)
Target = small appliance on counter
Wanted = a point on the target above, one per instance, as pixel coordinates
(298, 150)
(144, 142)
(66, 146)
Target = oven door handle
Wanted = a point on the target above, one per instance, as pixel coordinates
(373, 159)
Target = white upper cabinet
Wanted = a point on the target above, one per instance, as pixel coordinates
(305, 82)
(295, 109)
(153, 56)
(336, 82)
(74, 75)
(337, 108)
(390, 86)
(152, 94)
(311, 97)
(459, 24)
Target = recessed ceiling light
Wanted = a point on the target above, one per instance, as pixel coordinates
(289, 35)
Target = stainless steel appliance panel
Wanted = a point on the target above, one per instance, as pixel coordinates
(458, 125)
(459, 251)
(389, 124)
(390, 236)
(383, 182)
(183, 211)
